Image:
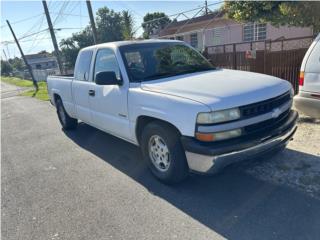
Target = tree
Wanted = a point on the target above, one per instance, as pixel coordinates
(295, 13)
(111, 26)
(127, 31)
(154, 22)
(17, 64)
(6, 68)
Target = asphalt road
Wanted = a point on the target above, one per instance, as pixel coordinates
(87, 184)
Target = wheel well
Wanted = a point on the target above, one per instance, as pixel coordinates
(142, 121)
(56, 97)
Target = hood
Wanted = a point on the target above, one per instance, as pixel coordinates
(221, 88)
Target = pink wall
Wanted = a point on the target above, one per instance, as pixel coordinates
(287, 32)
(234, 33)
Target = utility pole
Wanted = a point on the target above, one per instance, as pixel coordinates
(93, 25)
(35, 84)
(53, 36)
(5, 54)
(206, 6)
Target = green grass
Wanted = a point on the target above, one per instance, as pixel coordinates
(17, 81)
(41, 94)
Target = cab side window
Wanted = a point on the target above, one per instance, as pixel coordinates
(106, 62)
(82, 68)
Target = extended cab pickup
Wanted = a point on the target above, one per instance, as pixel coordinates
(168, 99)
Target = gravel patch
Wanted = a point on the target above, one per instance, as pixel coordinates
(298, 166)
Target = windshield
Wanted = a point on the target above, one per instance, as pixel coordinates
(149, 61)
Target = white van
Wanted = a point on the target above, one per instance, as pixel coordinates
(308, 99)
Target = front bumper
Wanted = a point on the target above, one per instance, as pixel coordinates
(204, 158)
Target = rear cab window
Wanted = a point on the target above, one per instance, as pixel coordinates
(82, 68)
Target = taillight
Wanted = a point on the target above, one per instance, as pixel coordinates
(301, 79)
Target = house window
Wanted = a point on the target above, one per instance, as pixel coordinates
(217, 36)
(254, 32)
(180, 38)
(194, 40)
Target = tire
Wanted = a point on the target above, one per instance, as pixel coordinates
(164, 140)
(67, 122)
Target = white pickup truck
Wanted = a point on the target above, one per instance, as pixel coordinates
(165, 97)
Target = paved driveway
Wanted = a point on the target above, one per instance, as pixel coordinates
(8, 90)
(89, 185)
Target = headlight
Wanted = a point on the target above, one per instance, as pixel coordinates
(219, 116)
(209, 137)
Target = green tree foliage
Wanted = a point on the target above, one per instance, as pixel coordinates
(6, 68)
(293, 13)
(152, 27)
(17, 64)
(128, 24)
(111, 26)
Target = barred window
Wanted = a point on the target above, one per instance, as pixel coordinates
(194, 40)
(180, 38)
(254, 32)
(217, 32)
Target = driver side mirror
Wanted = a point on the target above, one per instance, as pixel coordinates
(107, 78)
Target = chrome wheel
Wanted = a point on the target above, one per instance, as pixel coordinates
(62, 114)
(159, 153)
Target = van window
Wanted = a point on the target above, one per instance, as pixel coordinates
(82, 67)
(313, 63)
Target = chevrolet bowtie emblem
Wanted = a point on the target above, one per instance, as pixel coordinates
(275, 113)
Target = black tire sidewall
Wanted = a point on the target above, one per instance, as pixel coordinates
(178, 168)
(70, 123)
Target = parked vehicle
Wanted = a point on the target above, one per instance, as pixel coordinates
(168, 99)
(308, 99)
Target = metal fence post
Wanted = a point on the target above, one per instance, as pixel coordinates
(234, 56)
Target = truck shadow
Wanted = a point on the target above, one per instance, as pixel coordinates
(232, 203)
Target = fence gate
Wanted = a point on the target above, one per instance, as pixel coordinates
(280, 58)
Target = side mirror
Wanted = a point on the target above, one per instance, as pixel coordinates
(107, 78)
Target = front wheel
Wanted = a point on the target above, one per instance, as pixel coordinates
(162, 150)
(66, 121)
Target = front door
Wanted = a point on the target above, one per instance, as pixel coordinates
(109, 104)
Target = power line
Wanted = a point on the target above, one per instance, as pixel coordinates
(191, 10)
(70, 14)
(36, 37)
(22, 20)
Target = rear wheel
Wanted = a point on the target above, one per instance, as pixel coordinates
(66, 121)
(162, 150)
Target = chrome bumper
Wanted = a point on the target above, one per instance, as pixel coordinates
(212, 164)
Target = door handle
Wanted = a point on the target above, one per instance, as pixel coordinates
(92, 93)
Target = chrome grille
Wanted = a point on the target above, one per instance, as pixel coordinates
(259, 108)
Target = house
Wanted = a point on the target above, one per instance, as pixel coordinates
(213, 29)
(42, 64)
(42, 61)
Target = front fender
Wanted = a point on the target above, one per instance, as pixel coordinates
(180, 112)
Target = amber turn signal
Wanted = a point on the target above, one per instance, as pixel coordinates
(205, 137)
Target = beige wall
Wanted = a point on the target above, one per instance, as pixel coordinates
(233, 33)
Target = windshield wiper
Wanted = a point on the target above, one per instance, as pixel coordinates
(155, 76)
(197, 69)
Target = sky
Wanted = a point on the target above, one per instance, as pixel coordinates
(27, 18)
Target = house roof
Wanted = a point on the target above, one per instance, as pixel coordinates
(39, 58)
(195, 24)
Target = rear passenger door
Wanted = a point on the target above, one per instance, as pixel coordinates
(81, 86)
